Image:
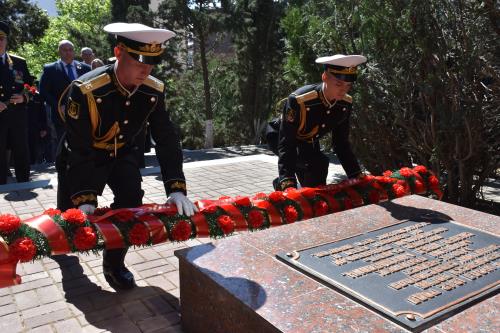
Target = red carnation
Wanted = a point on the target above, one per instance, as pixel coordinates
(291, 214)
(387, 173)
(22, 249)
(181, 231)
(374, 197)
(290, 190)
(399, 190)
(321, 208)
(52, 212)
(124, 216)
(226, 223)
(26, 86)
(9, 223)
(138, 234)
(420, 169)
(84, 238)
(209, 209)
(255, 218)
(260, 195)
(384, 179)
(406, 172)
(348, 203)
(242, 201)
(74, 216)
(433, 181)
(277, 196)
(224, 198)
(100, 211)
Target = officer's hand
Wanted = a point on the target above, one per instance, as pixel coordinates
(184, 205)
(16, 98)
(87, 209)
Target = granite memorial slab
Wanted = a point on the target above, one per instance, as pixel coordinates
(412, 264)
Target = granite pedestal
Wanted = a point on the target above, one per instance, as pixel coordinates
(238, 285)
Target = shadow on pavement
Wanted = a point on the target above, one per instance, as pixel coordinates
(20, 195)
(130, 310)
(401, 212)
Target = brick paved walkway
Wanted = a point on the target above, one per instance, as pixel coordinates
(69, 294)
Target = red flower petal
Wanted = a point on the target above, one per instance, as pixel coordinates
(291, 214)
(181, 231)
(9, 223)
(52, 212)
(321, 208)
(22, 249)
(74, 216)
(226, 223)
(84, 238)
(255, 218)
(138, 234)
(242, 201)
(277, 196)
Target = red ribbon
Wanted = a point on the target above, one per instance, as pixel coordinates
(238, 218)
(55, 235)
(156, 228)
(112, 236)
(8, 276)
(274, 215)
(201, 224)
(303, 203)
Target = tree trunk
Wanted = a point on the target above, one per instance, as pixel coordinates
(209, 127)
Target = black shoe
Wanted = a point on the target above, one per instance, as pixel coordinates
(120, 278)
(276, 184)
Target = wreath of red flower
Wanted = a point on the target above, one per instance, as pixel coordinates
(138, 234)
(181, 231)
(419, 187)
(387, 173)
(52, 212)
(9, 223)
(291, 214)
(84, 239)
(399, 190)
(420, 169)
(22, 249)
(277, 196)
(255, 218)
(74, 216)
(226, 223)
(433, 181)
(124, 216)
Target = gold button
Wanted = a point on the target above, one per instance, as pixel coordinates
(308, 109)
(328, 112)
(125, 121)
(120, 136)
(344, 109)
(153, 99)
(99, 100)
(1, 95)
(127, 103)
(13, 87)
(323, 125)
(111, 154)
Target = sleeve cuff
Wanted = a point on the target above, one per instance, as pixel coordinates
(84, 197)
(287, 182)
(175, 185)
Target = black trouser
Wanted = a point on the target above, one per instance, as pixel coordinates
(312, 164)
(14, 130)
(125, 182)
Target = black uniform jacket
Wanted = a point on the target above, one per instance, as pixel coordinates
(105, 124)
(308, 116)
(13, 75)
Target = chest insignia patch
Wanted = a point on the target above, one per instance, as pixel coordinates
(73, 109)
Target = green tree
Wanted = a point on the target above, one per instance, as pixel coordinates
(80, 21)
(27, 21)
(196, 21)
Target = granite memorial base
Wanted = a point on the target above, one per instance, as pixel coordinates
(412, 264)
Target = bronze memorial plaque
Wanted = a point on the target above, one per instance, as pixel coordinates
(414, 273)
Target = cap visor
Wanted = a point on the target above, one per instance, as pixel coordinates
(344, 77)
(148, 60)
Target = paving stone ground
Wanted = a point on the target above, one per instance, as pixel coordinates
(68, 293)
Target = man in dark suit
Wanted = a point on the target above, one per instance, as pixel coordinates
(55, 79)
(14, 75)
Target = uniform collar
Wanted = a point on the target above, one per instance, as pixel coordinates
(120, 87)
(321, 94)
(65, 64)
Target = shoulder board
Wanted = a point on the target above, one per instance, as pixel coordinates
(154, 83)
(307, 96)
(347, 98)
(94, 83)
(16, 56)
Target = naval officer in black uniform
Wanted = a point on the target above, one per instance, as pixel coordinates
(309, 113)
(14, 75)
(106, 115)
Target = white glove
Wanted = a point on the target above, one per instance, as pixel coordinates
(87, 209)
(184, 205)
